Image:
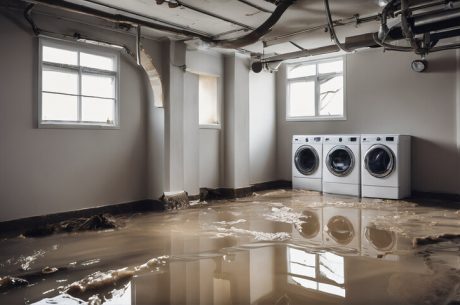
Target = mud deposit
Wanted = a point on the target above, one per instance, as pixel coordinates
(277, 247)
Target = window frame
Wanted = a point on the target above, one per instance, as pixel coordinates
(90, 49)
(314, 78)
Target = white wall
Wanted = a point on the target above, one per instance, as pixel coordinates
(54, 170)
(236, 121)
(210, 140)
(385, 96)
(262, 127)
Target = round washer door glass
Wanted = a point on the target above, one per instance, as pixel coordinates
(379, 161)
(340, 161)
(306, 160)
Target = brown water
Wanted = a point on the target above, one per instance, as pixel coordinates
(279, 247)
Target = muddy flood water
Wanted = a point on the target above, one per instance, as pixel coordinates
(275, 247)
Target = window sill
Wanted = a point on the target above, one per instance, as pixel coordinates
(210, 126)
(71, 125)
(316, 118)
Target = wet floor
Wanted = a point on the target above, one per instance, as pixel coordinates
(275, 247)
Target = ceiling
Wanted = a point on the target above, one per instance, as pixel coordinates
(301, 15)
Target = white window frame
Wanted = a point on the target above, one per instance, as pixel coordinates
(314, 78)
(90, 49)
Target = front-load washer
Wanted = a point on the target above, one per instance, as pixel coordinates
(341, 164)
(310, 228)
(342, 227)
(386, 165)
(307, 162)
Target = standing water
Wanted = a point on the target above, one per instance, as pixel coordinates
(279, 247)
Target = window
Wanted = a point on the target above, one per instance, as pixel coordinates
(208, 101)
(78, 85)
(315, 90)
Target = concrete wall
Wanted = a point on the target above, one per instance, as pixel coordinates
(385, 96)
(262, 127)
(54, 170)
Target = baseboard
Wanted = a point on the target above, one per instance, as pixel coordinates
(12, 227)
(230, 193)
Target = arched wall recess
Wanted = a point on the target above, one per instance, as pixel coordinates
(154, 78)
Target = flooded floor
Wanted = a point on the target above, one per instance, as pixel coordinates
(275, 247)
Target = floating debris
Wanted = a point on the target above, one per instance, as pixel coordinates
(49, 270)
(26, 261)
(427, 240)
(93, 223)
(8, 282)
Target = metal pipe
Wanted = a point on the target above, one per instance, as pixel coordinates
(338, 22)
(263, 29)
(437, 20)
(27, 15)
(138, 45)
(331, 27)
(120, 19)
(201, 11)
(255, 6)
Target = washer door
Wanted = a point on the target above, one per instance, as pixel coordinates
(340, 161)
(306, 160)
(379, 161)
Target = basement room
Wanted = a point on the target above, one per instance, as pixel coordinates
(223, 152)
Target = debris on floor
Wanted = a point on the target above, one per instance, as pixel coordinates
(93, 223)
(175, 200)
(421, 241)
(9, 282)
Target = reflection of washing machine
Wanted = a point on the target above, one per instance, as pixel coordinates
(342, 227)
(379, 242)
(385, 166)
(341, 170)
(311, 229)
(307, 162)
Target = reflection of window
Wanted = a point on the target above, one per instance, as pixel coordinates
(207, 95)
(78, 85)
(323, 272)
(315, 90)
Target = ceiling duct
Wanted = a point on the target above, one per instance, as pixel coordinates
(254, 36)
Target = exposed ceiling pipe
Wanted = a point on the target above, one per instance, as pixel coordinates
(255, 6)
(331, 27)
(255, 35)
(27, 15)
(201, 11)
(338, 22)
(120, 19)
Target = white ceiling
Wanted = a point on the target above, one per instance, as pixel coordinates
(301, 15)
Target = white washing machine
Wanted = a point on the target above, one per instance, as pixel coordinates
(341, 169)
(386, 165)
(381, 243)
(342, 227)
(307, 162)
(311, 229)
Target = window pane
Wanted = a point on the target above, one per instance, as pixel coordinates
(59, 80)
(301, 71)
(301, 99)
(330, 67)
(97, 110)
(97, 61)
(58, 107)
(60, 56)
(98, 85)
(207, 94)
(331, 95)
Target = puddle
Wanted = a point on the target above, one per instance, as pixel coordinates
(276, 247)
